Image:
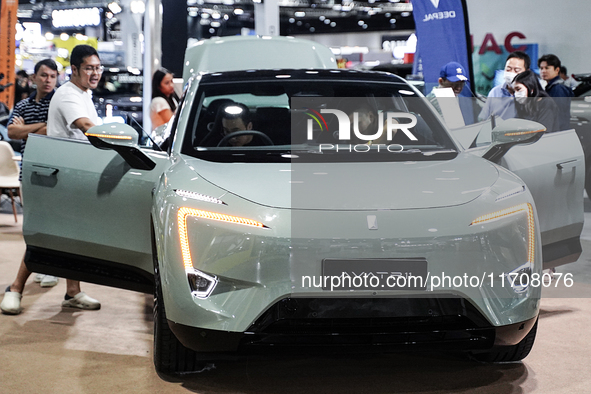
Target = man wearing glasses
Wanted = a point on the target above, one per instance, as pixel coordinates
(71, 111)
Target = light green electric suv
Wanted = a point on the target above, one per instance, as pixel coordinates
(311, 209)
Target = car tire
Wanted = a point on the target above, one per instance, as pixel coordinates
(518, 352)
(171, 357)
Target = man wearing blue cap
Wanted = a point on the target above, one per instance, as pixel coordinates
(452, 75)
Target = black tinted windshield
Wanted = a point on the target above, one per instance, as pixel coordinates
(345, 119)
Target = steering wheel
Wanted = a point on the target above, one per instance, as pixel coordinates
(263, 136)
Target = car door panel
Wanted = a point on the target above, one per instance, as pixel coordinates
(89, 202)
(553, 168)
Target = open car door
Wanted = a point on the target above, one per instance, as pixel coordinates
(87, 212)
(553, 168)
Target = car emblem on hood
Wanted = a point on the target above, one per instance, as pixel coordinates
(372, 222)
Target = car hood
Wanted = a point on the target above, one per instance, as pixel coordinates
(354, 186)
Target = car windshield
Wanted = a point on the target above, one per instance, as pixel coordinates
(283, 119)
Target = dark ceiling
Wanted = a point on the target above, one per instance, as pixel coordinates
(296, 16)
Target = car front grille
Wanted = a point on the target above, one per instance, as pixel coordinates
(371, 324)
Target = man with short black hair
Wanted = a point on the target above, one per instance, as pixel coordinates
(236, 117)
(500, 98)
(72, 111)
(30, 115)
(550, 72)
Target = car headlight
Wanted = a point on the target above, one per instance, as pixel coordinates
(521, 284)
(185, 212)
(202, 284)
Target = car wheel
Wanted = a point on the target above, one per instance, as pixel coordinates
(509, 353)
(170, 356)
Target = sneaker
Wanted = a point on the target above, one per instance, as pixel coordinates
(81, 301)
(11, 303)
(48, 281)
(39, 278)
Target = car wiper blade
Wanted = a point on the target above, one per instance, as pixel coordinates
(411, 150)
(438, 152)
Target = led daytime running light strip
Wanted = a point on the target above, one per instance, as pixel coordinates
(528, 209)
(515, 133)
(198, 196)
(510, 193)
(185, 212)
(113, 137)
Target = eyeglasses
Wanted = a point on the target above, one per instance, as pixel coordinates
(90, 69)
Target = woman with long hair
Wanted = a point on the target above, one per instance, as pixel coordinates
(533, 103)
(164, 98)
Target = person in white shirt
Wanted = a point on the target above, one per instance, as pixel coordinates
(164, 98)
(71, 113)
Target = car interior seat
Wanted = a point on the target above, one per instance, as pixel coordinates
(275, 122)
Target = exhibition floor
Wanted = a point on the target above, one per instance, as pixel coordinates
(50, 350)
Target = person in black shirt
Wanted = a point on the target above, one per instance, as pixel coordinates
(236, 117)
(22, 87)
(550, 72)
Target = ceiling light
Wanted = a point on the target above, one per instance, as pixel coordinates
(114, 7)
(137, 7)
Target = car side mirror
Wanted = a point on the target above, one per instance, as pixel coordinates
(123, 139)
(510, 133)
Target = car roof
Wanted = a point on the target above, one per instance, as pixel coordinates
(337, 74)
(255, 52)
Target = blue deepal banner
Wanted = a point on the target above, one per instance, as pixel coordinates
(442, 37)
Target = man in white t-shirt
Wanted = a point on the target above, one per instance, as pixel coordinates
(71, 113)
